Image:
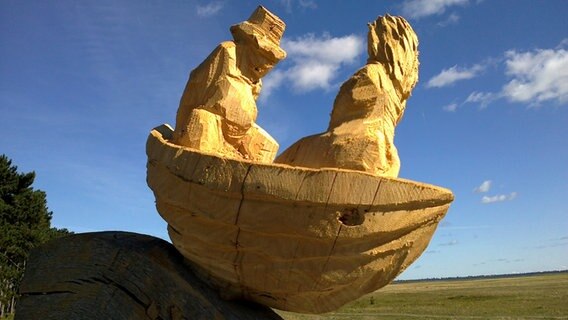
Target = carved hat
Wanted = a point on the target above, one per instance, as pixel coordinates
(264, 30)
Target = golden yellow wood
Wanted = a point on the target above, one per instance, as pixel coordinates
(367, 108)
(298, 239)
(217, 111)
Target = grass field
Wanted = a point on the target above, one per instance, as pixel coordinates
(525, 297)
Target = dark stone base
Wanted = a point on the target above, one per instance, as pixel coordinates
(120, 275)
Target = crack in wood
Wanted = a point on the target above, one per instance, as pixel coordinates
(238, 252)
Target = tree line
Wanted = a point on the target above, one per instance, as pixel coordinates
(25, 223)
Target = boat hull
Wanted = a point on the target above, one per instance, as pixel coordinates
(291, 238)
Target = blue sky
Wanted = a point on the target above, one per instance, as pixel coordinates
(82, 83)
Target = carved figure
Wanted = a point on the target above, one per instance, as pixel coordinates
(367, 108)
(217, 111)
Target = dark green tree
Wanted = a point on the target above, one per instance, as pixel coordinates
(25, 223)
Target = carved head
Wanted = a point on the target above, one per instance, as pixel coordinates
(393, 43)
(262, 33)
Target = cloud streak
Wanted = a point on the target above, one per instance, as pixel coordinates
(484, 187)
(482, 98)
(419, 8)
(452, 19)
(498, 198)
(454, 74)
(303, 4)
(210, 9)
(452, 107)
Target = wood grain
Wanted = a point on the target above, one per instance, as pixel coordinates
(292, 238)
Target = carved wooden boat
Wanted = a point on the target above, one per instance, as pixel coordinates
(291, 238)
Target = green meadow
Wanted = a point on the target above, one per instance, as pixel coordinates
(543, 296)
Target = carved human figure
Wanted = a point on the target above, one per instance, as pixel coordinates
(217, 111)
(367, 108)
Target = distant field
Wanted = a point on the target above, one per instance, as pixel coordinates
(525, 297)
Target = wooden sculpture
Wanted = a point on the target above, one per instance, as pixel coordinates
(367, 108)
(217, 111)
(285, 235)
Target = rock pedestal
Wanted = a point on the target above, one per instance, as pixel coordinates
(120, 275)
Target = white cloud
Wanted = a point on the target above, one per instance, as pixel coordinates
(499, 198)
(307, 4)
(537, 76)
(315, 62)
(452, 19)
(449, 76)
(272, 81)
(312, 74)
(209, 9)
(484, 187)
(325, 49)
(451, 107)
(423, 8)
(304, 4)
(483, 98)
